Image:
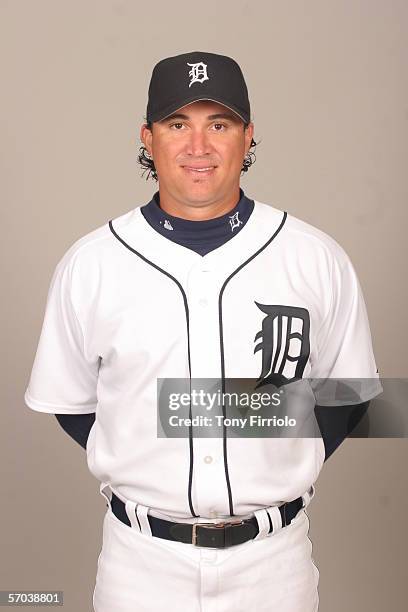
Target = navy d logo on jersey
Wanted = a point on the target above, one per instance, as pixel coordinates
(198, 73)
(285, 343)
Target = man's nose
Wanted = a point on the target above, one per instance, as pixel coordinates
(198, 143)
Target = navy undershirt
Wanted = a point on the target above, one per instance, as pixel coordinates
(200, 236)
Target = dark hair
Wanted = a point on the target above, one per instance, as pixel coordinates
(148, 166)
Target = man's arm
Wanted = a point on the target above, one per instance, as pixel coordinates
(77, 426)
(337, 422)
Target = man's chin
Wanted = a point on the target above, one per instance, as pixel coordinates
(198, 202)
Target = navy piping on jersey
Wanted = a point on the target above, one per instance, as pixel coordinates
(267, 243)
(188, 350)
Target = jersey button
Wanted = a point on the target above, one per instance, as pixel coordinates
(208, 459)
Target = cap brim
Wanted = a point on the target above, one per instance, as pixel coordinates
(175, 107)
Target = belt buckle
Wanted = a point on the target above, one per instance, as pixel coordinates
(221, 524)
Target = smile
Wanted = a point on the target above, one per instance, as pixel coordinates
(204, 171)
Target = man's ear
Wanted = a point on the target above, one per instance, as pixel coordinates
(249, 133)
(146, 137)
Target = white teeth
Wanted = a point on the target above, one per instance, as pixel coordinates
(200, 169)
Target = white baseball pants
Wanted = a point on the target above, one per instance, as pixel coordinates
(138, 572)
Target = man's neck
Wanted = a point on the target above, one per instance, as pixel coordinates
(201, 211)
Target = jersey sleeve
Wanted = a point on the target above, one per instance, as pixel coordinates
(63, 378)
(345, 369)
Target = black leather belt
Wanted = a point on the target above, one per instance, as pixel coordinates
(213, 535)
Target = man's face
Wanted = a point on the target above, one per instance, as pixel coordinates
(198, 152)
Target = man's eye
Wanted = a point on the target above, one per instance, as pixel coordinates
(219, 127)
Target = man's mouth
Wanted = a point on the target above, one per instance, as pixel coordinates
(199, 170)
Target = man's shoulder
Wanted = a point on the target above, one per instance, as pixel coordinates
(299, 234)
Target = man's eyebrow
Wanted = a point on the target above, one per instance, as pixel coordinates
(174, 116)
(228, 116)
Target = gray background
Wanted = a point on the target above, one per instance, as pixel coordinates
(328, 86)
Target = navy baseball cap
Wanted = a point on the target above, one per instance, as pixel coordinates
(189, 77)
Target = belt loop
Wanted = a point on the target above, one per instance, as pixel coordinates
(106, 491)
(276, 518)
(130, 507)
(141, 512)
(263, 523)
(308, 496)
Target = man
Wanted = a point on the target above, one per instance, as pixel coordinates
(201, 283)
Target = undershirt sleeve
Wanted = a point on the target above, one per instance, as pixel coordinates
(78, 426)
(337, 422)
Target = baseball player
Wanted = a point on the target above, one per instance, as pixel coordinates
(202, 282)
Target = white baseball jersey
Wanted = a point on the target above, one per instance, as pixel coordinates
(126, 306)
